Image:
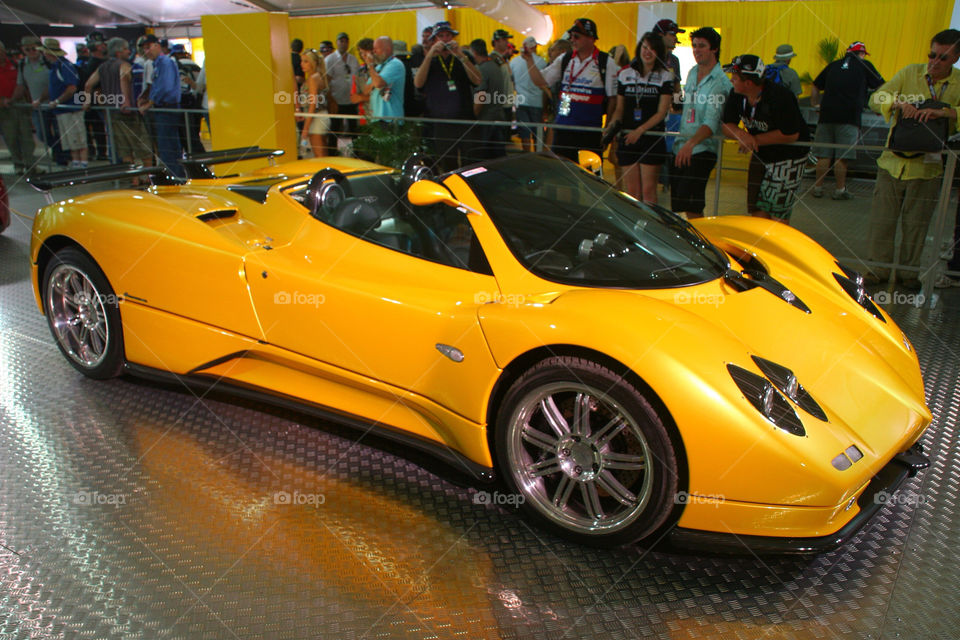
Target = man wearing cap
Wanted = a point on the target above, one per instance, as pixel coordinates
(114, 79)
(844, 85)
(164, 94)
(588, 89)
(14, 120)
(33, 84)
(529, 95)
(695, 148)
(488, 106)
(908, 184)
(447, 77)
(341, 67)
(61, 89)
(771, 120)
(781, 67)
(500, 54)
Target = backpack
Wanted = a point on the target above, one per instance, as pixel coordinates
(774, 73)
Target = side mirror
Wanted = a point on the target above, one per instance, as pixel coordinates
(590, 161)
(424, 193)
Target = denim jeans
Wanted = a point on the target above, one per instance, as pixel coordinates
(166, 130)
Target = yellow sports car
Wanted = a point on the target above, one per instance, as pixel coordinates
(622, 374)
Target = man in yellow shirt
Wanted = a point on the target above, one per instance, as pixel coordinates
(908, 184)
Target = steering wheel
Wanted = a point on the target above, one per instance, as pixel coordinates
(325, 192)
(603, 245)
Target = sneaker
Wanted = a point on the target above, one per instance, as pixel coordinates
(818, 192)
(842, 194)
(945, 282)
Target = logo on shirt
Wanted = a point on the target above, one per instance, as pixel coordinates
(753, 123)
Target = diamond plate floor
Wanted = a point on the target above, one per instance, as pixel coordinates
(132, 510)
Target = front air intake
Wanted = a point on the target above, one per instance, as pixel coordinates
(765, 398)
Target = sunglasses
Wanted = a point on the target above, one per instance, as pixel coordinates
(943, 56)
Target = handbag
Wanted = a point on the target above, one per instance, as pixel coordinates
(911, 135)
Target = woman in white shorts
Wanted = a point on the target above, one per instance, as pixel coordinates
(315, 100)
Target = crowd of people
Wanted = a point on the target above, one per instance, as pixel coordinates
(477, 96)
(69, 106)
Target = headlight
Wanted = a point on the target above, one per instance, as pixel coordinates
(765, 398)
(787, 383)
(852, 283)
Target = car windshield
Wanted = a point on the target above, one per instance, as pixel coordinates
(567, 226)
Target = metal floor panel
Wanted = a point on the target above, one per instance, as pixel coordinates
(135, 510)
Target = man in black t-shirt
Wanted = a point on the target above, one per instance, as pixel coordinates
(846, 83)
(447, 77)
(771, 120)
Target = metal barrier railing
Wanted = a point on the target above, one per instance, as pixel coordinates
(932, 267)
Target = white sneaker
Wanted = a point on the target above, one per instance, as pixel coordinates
(842, 194)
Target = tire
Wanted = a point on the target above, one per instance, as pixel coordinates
(83, 314)
(607, 476)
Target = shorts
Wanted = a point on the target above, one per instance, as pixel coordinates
(130, 137)
(529, 120)
(647, 150)
(73, 132)
(832, 133)
(319, 124)
(688, 185)
(772, 186)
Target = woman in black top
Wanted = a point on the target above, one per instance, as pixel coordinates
(644, 93)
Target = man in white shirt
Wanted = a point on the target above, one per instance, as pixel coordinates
(341, 66)
(588, 88)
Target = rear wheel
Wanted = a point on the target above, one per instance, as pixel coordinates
(83, 315)
(588, 453)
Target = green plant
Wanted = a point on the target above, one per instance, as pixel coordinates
(387, 143)
(829, 49)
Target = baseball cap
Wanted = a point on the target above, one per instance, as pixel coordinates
(667, 26)
(500, 34)
(342, 35)
(746, 65)
(857, 47)
(95, 37)
(585, 27)
(444, 25)
(150, 38)
(530, 42)
(784, 51)
(178, 48)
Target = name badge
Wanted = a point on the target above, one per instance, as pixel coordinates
(638, 115)
(451, 85)
(693, 115)
(564, 108)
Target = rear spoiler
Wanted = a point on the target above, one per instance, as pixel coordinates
(47, 182)
(197, 165)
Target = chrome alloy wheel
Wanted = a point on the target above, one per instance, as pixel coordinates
(580, 458)
(77, 315)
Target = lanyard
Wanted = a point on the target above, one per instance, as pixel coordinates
(933, 93)
(447, 70)
(593, 58)
(753, 111)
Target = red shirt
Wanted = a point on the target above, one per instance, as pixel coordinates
(8, 78)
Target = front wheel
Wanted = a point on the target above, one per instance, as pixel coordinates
(83, 314)
(588, 453)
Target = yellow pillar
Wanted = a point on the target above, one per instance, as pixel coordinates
(250, 82)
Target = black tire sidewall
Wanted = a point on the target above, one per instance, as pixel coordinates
(112, 364)
(662, 509)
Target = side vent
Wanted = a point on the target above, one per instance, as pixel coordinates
(220, 214)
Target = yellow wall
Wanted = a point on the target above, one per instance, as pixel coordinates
(250, 83)
(399, 25)
(896, 32)
(616, 23)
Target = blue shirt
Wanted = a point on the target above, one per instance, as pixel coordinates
(703, 105)
(395, 75)
(62, 75)
(528, 94)
(165, 89)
